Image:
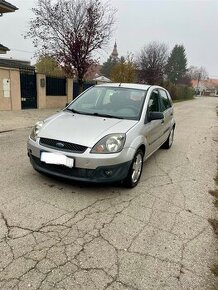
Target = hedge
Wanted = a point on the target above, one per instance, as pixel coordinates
(179, 92)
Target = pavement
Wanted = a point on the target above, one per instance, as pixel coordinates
(56, 234)
(13, 120)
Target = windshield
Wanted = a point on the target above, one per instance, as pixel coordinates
(111, 102)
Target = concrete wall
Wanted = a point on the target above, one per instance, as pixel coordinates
(52, 102)
(10, 92)
(41, 91)
(10, 98)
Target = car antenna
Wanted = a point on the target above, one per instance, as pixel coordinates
(120, 85)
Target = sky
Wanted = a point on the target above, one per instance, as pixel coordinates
(192, 23)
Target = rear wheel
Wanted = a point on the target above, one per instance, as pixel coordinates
(135, 170)
(169, 140)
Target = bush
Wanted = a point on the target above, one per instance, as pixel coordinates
(179, 92)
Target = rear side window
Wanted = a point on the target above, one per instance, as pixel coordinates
(164, 99)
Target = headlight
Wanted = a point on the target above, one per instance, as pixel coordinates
(112, 143)
(36, 129)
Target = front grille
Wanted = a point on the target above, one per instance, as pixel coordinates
(65, 146)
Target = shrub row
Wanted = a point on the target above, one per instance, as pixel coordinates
(179, 92)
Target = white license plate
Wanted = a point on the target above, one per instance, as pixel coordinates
(58, 159)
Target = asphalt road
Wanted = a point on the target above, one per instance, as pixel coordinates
(61, 235)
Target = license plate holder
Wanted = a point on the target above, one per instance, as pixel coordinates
(57, 159)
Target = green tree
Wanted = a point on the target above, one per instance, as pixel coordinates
(107, 67)
(176, 67)
(123, 71)
(48, 65)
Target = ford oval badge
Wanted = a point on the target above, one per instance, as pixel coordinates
(60, 145)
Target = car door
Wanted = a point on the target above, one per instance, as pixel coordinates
(154, 129)
(167, 109)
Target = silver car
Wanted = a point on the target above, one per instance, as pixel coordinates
(105, 134)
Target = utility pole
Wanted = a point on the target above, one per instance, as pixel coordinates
(199, 78)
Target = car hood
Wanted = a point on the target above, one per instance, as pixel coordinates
(82, 129)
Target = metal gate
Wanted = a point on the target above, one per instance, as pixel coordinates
(86, 85)
(28, 89)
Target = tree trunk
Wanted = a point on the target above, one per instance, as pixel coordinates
(80, 83)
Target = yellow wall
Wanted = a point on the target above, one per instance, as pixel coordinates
(13, 102)
(41, 92)
(53, 102)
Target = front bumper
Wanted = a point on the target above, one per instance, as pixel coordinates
(102, 168)
(102, 174)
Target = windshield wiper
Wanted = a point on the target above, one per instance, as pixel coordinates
(94, 114)
(74, 111)
(106, 116)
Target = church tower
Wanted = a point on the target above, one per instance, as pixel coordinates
(114, 54)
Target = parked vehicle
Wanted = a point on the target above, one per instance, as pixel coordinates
(105, 134)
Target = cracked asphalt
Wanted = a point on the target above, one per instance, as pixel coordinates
(63, 235)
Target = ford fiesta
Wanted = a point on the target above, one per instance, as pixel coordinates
(105, 134)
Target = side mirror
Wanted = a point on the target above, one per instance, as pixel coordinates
(155, 116)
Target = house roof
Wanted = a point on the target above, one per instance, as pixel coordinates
(15, 63)
(3, 49)
(93, 71)
(209, 84)
(102, 79)
(214, 82)
(6, 7)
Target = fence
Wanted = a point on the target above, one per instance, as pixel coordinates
(86, 85)
(55, 86)
(27, 89)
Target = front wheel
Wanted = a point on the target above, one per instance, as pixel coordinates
(135, 170)
(169, 140)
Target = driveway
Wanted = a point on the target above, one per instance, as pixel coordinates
(64, 235)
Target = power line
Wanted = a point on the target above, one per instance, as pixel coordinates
(19, 50)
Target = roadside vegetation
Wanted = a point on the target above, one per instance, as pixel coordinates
(154, 65)
(214, 222)
(179, 92)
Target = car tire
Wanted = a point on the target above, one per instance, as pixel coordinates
(169, 142)
(135, 170)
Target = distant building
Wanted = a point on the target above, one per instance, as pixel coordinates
(92, 72)
(102, 80)
(3, 49)
(114, 54)
(15, 63)
(207, 87)
(5, 7)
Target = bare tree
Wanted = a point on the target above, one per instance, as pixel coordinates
(152, 61)
(198, 73)
(71, 31)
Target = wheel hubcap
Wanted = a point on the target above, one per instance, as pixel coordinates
(136, 168)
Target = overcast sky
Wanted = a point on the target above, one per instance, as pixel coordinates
(193, 23)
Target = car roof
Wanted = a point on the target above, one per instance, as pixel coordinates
(125, 85)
